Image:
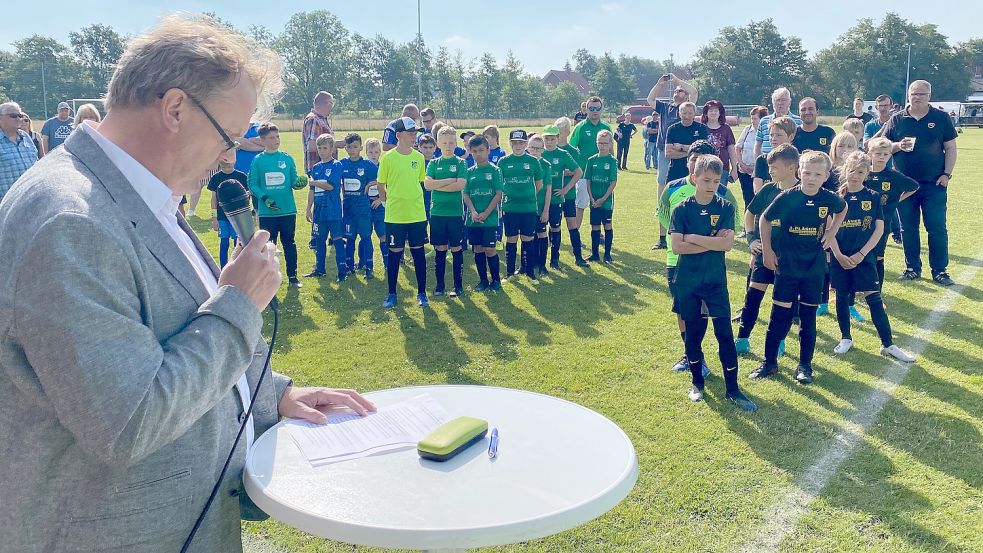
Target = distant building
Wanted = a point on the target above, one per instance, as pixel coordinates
(557, 76)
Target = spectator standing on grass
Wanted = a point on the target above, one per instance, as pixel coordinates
(668, 113)
(745, 153)
(811, 135)
(884, 105)
(87, 112)
(25, 126)
(583, 137)
(781, 102)
(389, 139)
(316, 123)
(721, 136)
(427, 118)
(17, 150)
(626, 130)
(651, 132)
(56, 130)
(859, 113)
(580, 115)
(924, 145)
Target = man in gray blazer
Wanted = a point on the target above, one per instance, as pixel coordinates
(126, 359)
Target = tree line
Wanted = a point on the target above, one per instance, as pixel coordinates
(375, 76)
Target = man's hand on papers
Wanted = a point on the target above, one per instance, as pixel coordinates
(307, 403)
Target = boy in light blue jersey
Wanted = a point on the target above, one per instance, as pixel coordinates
(357, 174)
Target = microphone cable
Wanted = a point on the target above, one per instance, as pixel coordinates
(275, 307)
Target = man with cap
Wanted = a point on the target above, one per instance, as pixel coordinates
(402, 171)
(410, 111)
(668, 113)
(522, 176)
(56, 130)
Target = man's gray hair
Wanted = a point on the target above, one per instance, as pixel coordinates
(198, 55)
(322, 96)
(687, 105)
(779, 92)
(921, 82)
(409, 109)
(9, 106)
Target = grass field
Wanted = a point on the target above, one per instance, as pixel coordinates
(710, 476)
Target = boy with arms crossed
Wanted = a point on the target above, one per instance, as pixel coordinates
(797, 254)
(482, 196)
(324, 209)
(566, 172)
(702, 229)
(357, 175)
(220, 222)
(894, 188)
(523, 177)
(373, 151)
(602, 177)
(446, 177)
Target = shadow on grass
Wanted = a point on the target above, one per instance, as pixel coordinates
(432, 348)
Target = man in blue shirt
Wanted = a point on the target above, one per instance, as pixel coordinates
(17, 150)
(389, 133)
(249, 148)
(885, 107)
(781, 102)
(56, 130)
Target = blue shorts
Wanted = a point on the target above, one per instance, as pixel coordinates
(225, 230)
(332, 229)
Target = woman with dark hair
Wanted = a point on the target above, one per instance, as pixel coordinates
(745, 153)
(721, 136)
(25, 125)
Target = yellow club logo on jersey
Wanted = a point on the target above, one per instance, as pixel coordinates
(822, 141)
(714, 219)
(823, 211)
(865, 205)
(886, 186)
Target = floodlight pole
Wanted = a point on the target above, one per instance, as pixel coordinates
(44, 91)
(907, 75)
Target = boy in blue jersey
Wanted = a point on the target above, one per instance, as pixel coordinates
(357, 175)
(373, 151)
(324, 210)
(427, 145)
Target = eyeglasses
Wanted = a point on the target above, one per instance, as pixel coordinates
(594, 108)
(16, 115)
(427, 121)
(229, 143)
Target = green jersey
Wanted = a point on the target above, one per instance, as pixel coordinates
(446, 204)
(601, 171)
(584, 138)
(402, 175)
(547, 179)
(272, 175)
(484, 181)
(520, 174)
(561, 160)
(675, 193)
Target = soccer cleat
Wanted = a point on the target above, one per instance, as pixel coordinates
(581, 262)
(781, 348)
(736, 317)
(342, 277)
(455, 292)
(421, 300)
(390, 301)
(695, 394)
(738, 398)
(368, 274)
(909, 274)
(594, 258)
(481, 287)
(555, 265)
(803, 374)
(743, 345)
(856, 315)
(495, 286)
(822, 309)
(543, 271)
(943, 279)
(764, 371)
(438, 292)
(608, 260)
(191, 213)
(315, 274)
(898, 353)
(844, 346)
(295, 282)
(681, 365)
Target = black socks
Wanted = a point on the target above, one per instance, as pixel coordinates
(749, 315)
(420, 268)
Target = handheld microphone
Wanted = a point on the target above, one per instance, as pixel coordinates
(234, 201)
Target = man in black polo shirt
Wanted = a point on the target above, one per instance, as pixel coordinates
(678, 138)
(924, 145)
(858, 111)
(810, 134)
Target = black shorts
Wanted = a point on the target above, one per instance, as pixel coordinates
(806, 289)
(397, 234)
(762, 274)
(671, 277)
(446, 231)
(862, 278)
(710, 300)
(556, 215)
(482, 236)
(520, 223)
(570, 208)
(600, 216)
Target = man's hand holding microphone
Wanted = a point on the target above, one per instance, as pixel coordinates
(254, 269)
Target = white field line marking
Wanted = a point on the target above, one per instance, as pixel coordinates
(782, 518)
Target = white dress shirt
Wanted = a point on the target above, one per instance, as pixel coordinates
(163, 204)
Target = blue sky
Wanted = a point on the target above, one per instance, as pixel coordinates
(545, 35)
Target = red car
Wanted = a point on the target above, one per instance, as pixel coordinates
(640, 111)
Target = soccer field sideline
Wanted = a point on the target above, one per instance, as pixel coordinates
(636, 345)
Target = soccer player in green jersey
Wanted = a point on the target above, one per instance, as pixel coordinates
(523, 176)
(584, 138)
(544, 197)
(401, 174)
(575, 210)
(446, 177)
(565, 174)
(602, 176)
(482, 196)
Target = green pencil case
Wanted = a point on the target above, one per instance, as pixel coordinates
(451, 438)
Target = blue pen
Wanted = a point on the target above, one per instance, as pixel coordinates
(493, 444)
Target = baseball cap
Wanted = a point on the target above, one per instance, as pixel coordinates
(64, 105)
(464, 135)
(551, 130)
(404, 124)
(518, 134)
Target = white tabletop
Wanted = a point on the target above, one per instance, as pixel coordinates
(559, 465)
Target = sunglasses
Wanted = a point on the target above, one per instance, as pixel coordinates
(229, 143)
(16, 116)
(594, 108)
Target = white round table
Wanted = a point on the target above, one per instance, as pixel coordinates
(559, 465)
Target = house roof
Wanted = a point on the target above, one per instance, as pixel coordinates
(571, 77)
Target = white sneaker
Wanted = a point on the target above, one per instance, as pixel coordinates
(898, 353)
(844, 346)
(695, 394)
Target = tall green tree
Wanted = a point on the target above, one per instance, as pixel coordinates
(745, 64)
(611, 83)
(97, 47)
(585, 63)
(316, 49)
(43, 65)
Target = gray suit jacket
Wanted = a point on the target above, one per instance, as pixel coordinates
(117, 371)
